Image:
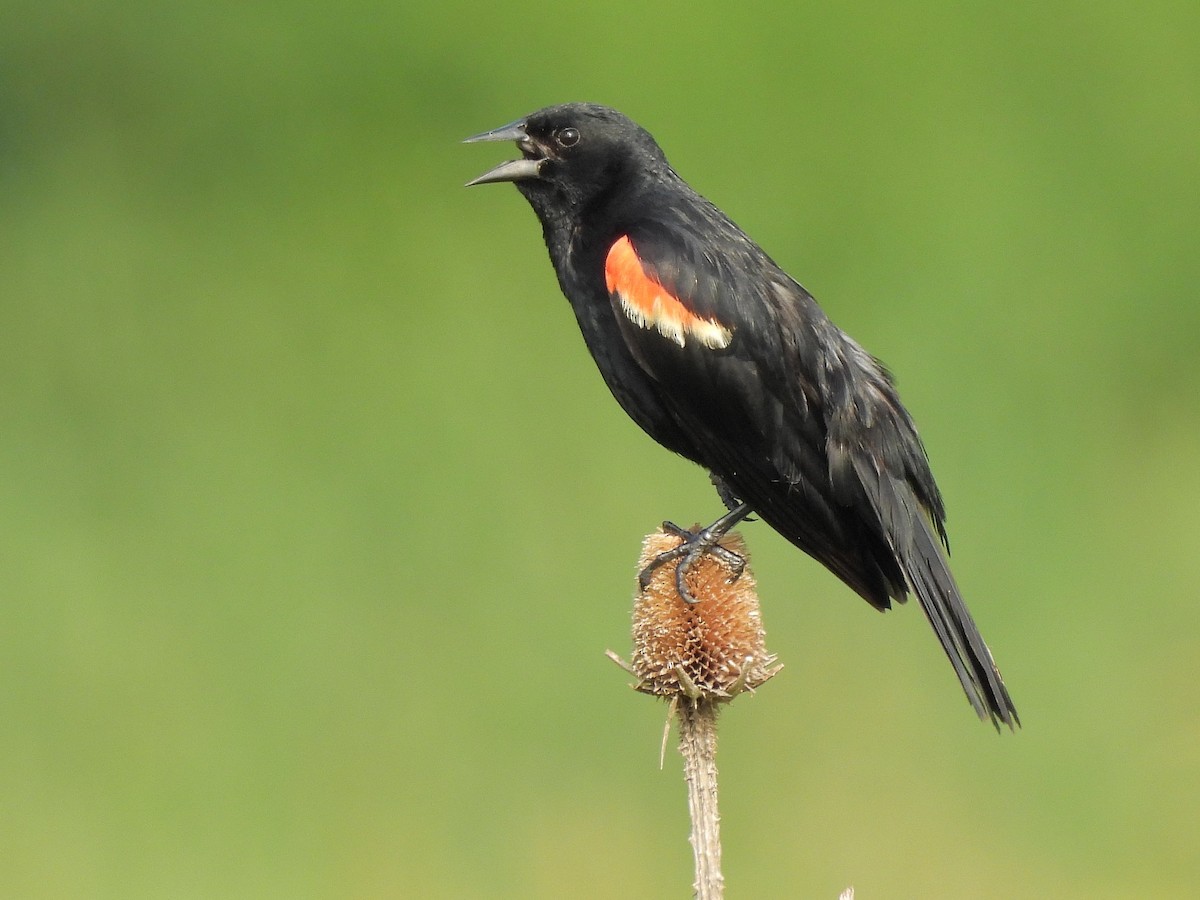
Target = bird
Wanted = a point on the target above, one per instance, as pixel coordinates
(723, 358)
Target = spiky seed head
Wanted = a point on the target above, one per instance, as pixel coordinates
(714, 648)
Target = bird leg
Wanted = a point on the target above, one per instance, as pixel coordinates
(731, 500)
(694, 545)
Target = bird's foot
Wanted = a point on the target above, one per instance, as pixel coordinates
(694, 545)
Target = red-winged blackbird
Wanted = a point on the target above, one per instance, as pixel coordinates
(719, 355)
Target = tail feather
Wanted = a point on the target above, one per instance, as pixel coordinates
(911, 535)
(926, 569)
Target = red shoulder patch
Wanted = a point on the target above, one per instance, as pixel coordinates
(650, 305)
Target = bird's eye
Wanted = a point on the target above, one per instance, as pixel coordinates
(566, 137)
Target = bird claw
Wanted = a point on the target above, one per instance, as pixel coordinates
(693, 545)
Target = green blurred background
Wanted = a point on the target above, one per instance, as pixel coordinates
(316, 519)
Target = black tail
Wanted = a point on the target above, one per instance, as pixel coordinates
(908, 530)
(926, 569)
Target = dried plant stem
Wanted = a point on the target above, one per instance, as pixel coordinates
(698, 656)
(698, 746)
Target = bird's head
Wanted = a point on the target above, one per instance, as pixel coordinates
(574, 153)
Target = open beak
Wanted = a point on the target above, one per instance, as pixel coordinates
(529, 166)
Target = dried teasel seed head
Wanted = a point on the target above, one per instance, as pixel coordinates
(714, 648)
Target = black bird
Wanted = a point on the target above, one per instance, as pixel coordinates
(720, 356)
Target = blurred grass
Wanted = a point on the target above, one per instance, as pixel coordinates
(316, 518)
